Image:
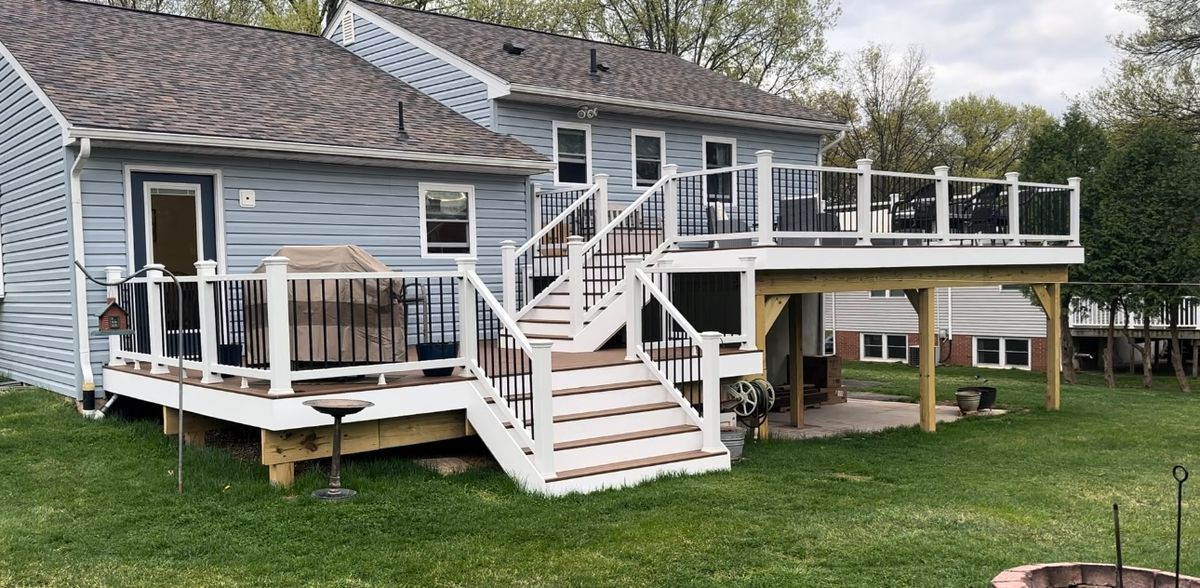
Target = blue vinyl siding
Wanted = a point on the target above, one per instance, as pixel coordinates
(305, 204)
(611, 143)
(37, 334)
(421, 70)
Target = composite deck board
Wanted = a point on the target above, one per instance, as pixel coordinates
(621, 466)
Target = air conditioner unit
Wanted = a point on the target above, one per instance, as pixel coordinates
(914, 354)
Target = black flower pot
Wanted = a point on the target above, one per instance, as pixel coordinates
(431, 351)
(987, 395)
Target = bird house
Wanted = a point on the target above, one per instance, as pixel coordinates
(113, 319)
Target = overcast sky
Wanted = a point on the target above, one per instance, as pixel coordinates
(1037, 51)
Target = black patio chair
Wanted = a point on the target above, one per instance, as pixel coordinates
(727, 226)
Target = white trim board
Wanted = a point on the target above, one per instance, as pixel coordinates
(127, 171)
(422, 187)
(36, 89)
(521, 166)
(555, 125)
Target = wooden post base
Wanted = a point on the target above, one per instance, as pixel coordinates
(194, 426)
(282, 474)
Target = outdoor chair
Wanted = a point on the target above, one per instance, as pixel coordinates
(805, 214)
(720, 224)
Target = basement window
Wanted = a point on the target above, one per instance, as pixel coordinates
(447, 220)
(887, 293)
(884, 347)
(1001, 352)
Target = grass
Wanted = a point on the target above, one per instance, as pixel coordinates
(92, 503)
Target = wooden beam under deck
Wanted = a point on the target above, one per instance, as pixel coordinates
(777, 282)
(317, 442)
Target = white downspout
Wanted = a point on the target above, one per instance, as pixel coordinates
(87, 394)
(830, 145)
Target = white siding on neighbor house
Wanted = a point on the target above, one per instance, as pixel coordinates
(612, 142)
(37, 332)
(305, 204)
(421, 70)
(978, 311)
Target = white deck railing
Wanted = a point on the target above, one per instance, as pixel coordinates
(281, 328)
(1094, 315)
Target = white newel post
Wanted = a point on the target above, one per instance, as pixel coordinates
(1074, 183)
(942, 202)
(112, 275)
(670, 202)
(278, 330)
(205, 298)
(766, 212)
(746, 298)
(508, 275)
(864, 202)
(468, 336)
(543, 407)
(601, 181)
(537, 206)
(633, 307)
(575, 283)
(710, 394)
(1014, 208)
(154, 301)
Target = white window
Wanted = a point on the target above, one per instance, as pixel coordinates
(572, 152)
(1011, 287)
(447, 220)
(884, 347)
(887, 293)
(1001, 352)
(648, 151)
(719, 152)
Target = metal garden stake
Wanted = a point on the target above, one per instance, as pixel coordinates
(1117, 532)
(1180, 474)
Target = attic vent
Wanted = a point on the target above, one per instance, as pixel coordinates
(348, 28)
(596, 65)
(512, 48)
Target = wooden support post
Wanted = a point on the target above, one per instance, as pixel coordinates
(1195, 358)
(927, 339)
(282, 474)
(1054, 337)
(194, 426)
(796, 359)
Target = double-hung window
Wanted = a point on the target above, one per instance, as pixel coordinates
(447, 220)
(649, 148)
(719, 153)
(887, 293)
(572, 152)
(884, 347)
(1001, 352)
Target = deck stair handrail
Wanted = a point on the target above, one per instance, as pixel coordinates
(544, 254)
(678, 353)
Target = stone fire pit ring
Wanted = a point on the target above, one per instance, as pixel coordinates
(1087, 575)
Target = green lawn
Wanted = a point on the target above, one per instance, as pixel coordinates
(92, 503)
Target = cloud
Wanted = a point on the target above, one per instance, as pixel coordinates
(1038, 51)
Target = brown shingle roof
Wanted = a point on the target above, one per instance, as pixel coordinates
(560, 62)
(114, 68)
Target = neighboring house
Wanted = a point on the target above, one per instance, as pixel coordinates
(1089, 327)
(993, 327)
(584, 343)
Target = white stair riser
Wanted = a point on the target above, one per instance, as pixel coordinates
(553, 314)
(626, 478)
(591, 401)
(599, 376)
(532, 330)
(619, 424)
(582, 457)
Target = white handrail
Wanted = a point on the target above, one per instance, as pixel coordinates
(557, 219)
(668, 306)
(482, 290)
(716, 170)
(620, 218)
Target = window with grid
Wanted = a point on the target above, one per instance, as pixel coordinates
(885, 347)
(446, 212)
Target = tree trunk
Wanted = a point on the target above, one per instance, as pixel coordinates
(1068, 342)
(1110, 378)
(1147, 345)
(1176, 352)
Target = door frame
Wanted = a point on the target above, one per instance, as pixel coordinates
(218, 207)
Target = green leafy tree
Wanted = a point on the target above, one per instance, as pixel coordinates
(1145, 221)
(986, 137)
(1074, 146)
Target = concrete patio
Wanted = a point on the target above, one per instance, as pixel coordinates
(857, 416)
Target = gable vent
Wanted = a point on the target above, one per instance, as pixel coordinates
(348, 28)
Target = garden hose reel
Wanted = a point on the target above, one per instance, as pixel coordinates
(753, 400)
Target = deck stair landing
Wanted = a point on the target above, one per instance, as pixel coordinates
(616, 424)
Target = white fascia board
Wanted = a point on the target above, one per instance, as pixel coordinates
(799, 124)
(822, 258)
(496, 86)
(334, 19)
(522, 165)
(35, 88)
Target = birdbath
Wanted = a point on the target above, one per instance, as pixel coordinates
(336, 408)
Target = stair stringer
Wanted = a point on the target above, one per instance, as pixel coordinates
(501, 443)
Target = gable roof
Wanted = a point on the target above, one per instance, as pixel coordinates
(560, 62)
(120, 69)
